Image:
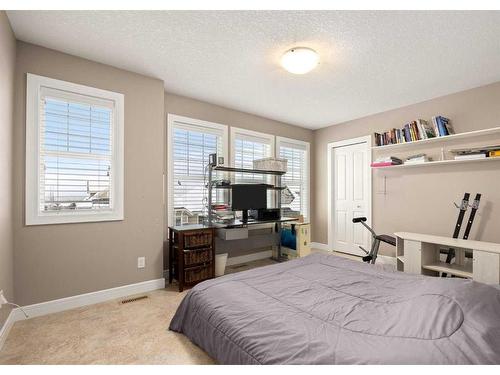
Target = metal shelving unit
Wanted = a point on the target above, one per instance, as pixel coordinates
(276, 187)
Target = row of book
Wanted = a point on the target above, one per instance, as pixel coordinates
(417, 159)
(386, 161)
(477, 153)
(416, 130)
(461, 154)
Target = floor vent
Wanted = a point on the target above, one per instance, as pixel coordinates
(134, 299)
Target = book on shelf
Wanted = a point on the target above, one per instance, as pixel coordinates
(417, 159)
(442, 126)
(427, 130)
(471, 156)
(381, 164)
(410, 132)
(478, 152)
(471, 150)
(386, 162)
(388, 159)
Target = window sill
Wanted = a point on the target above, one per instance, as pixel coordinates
(73, 218)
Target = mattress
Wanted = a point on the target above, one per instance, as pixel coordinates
(324, 309)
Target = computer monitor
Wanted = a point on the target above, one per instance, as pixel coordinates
(248, 197)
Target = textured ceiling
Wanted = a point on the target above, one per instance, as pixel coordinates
(370, 61)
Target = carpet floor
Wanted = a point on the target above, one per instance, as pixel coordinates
(109, 333)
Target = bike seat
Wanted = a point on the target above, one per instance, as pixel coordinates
(358, 219)
(387, 239)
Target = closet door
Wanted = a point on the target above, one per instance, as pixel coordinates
(350, 198)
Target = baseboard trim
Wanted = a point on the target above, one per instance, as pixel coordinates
(249, 258)
(80, 300)
(320, 246)
(7, 325)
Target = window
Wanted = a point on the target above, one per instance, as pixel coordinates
(248, 146)
(74, 153)
(190, 142)
(297, 175)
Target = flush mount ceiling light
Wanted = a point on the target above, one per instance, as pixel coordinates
(300, 60)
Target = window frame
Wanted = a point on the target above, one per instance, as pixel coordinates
(33, 215)
(192, 123)
(307, 145)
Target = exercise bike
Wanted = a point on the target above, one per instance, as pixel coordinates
(371, 256)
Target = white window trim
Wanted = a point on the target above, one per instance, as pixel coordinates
(171, 120)
(252, 133)
(279, 141)
(33, 215)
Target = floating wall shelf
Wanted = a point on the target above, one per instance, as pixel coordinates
(439, 140)
(438, 162)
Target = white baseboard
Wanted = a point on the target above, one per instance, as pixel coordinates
(86, 299)
(4, 331)
(249, 258)
(320, 246)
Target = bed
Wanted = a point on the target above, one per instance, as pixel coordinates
(324, 309)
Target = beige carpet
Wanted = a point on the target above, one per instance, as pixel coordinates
(108, 333)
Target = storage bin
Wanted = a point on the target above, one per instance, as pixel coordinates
(197, 239)
(220, 264)
(197, 256)
(195, 274)
(303, 240)
(271, 164)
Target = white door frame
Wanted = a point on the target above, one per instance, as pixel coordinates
(329, 149)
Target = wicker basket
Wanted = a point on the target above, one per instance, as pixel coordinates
(197, 240)
(197, 256)
(271, 164)
(195, 274)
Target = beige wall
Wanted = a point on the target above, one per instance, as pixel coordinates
(55, 261)
(7, 68)
(420, 199)
(183, 106)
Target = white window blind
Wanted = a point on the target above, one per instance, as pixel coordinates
(247, 147)
(191, 146)
(297, 175)
(78, 153)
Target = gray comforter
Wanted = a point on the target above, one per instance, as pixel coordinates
(323, 309)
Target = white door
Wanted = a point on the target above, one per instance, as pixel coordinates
(351, 197)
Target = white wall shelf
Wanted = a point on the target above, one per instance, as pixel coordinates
(439, 140)
(438, 162)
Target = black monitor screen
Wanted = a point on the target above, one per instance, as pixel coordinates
(249, 197)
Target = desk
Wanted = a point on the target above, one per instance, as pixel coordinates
(256, 242)
(191, 248)
(239, 223)
(419, 254)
